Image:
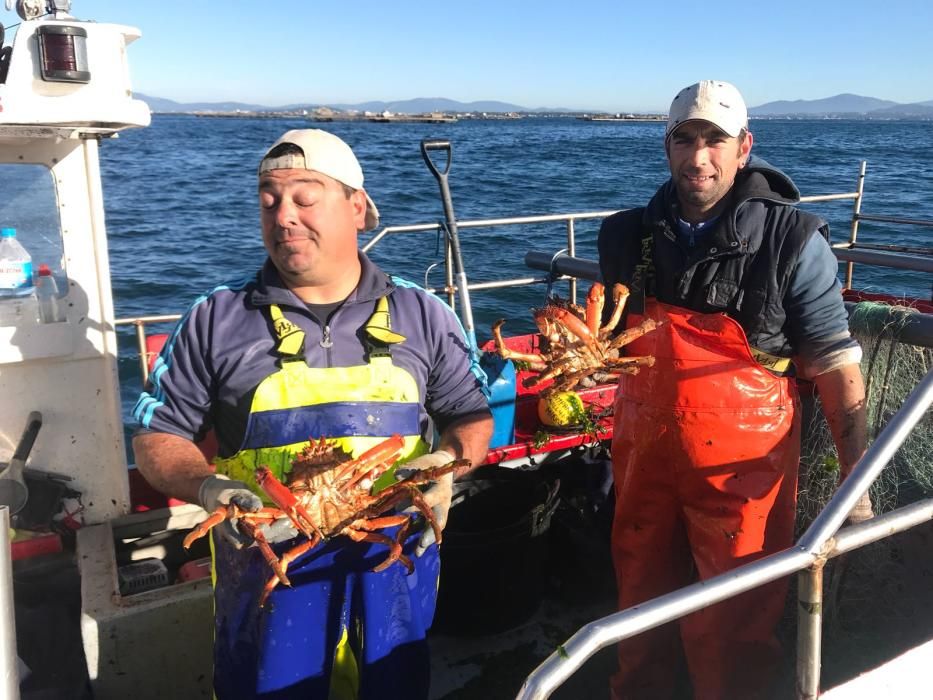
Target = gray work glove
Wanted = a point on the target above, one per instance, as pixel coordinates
(861, 511)
(218, 490)
(438, 495)
(279, 530)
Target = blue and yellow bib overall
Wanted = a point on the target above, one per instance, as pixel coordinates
(341, 631)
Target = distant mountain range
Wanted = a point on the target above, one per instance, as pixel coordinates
(418, 105)
(844, 105)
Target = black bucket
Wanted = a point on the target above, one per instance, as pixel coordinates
(494, 551)
(579, 542)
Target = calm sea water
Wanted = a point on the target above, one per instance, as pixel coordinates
(181, 207)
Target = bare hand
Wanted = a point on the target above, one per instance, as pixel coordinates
(862, 511)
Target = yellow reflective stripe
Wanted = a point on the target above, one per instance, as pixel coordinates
(771, 362)
(345, 676)
(210, 542)
(379, 325)
(296, 384)
(290, 337)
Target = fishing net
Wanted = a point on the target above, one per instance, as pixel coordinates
(891, 369)
(877, 598)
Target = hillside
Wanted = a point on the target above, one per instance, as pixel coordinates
(843, 105)
(414, 106)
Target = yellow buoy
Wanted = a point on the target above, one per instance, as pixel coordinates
(561, 409)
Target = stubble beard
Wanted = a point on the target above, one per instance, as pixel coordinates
(703, 201)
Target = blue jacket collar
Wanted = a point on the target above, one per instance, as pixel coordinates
(374, 283)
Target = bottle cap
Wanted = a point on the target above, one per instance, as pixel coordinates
(44, 270)
(8, 232)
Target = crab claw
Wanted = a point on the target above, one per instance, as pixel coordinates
(202, 528)
(595, 301)
(285, 499)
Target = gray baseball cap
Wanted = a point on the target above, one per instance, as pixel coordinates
(713, 101)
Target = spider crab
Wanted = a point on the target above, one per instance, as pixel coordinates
(574, 345)
(327, 494)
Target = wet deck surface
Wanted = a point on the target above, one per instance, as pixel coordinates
(495, 666)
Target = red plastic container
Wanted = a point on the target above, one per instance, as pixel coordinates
(194, 570)
(34, 544)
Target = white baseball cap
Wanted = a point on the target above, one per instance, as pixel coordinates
(326, 154)
(713, 101)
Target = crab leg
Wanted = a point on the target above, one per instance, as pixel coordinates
(382, 455)
(418, 501)
(287, 558)
(534, 361)
(247, 523)
(222, 513)
(567, 382)
(630, 365)
(271, 559)
(395, 548)
(646, 326)
(408, 488)
(574, 325)
(620, 295)
(215, 518)
(571, 363)
(400, 536)
(595, 301)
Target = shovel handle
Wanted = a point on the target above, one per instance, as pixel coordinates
(33, 423)
(436, 145)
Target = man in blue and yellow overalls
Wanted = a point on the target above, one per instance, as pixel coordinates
(318, 344)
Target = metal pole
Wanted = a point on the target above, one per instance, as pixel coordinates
(564, 265)
(853, 233)
(809, 630)
(143, 354)
(9, 673)
(572, 252)
(449, 268)
(453, 237)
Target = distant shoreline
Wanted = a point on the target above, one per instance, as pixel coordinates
(512, 116)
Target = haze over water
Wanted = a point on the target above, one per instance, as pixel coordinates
(182, 212)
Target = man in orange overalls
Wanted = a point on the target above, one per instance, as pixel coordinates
(707, 441)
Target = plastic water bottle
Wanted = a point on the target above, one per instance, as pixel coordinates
(15, 267)
(16, 290)
(47, 295)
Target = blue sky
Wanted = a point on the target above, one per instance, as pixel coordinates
(612, 55)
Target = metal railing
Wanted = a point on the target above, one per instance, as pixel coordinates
(9, 673)
(850, 252)
(853, 252)
(450, 289)
(808, 556)
(913, 328)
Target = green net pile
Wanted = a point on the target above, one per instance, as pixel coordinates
(878, 600)
(891, 370)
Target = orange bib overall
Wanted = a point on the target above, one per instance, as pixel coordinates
(705, 453)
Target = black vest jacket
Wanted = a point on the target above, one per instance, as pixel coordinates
(742, 266)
